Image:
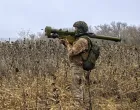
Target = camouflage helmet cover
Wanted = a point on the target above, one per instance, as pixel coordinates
(81, 26)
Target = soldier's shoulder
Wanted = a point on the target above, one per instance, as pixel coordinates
(84, 39)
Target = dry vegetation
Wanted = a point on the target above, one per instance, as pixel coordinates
(34, 75)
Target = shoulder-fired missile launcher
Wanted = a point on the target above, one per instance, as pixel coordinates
(70, 36)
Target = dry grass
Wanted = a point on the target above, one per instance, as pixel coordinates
(35, 76)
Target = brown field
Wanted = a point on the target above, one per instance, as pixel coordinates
(35, 76)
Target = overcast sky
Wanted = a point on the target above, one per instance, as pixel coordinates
(36, 14)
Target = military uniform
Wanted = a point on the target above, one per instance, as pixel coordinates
(79, 86)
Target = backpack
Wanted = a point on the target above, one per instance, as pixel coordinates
(90, 56)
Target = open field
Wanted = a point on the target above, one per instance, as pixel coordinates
(35, 76)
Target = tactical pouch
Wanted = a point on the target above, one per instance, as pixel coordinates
(90, 56)
(89, 62)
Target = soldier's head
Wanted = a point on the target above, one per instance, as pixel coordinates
(80, 27)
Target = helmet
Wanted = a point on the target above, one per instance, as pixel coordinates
(81, 26)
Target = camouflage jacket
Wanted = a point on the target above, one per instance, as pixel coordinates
(74, 50)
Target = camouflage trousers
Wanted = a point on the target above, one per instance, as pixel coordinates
(80, 87)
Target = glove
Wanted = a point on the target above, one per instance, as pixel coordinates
(54, 35)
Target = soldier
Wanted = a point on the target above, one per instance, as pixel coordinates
(79, 74)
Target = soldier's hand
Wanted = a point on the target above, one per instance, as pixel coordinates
(64, 42)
